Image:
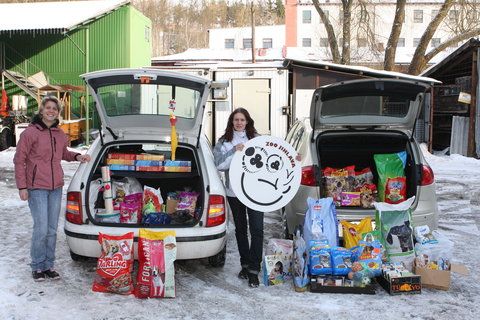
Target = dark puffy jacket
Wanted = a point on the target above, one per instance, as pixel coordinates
(39, 153)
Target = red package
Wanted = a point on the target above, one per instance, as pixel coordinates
(115, 264)
(396, 190)
(130, 213)
(337, 181)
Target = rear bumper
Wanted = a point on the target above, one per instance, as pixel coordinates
(201, 243)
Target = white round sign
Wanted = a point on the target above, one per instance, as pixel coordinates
(265, 175)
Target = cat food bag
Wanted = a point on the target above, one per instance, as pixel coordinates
(157, 252)
(115, 264)
(352, 232)
(187, 201)
(130, 213)
(321, 221)
(390, 165)
(394, 222)
(300, 263)
(341, 261)
(396, 190)
(350, 199)
(362, 178)
(320, 260)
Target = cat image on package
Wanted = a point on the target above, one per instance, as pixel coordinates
(321, 221)
(320, 261)
(341, 261)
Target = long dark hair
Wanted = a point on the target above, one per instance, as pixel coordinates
(249, 129)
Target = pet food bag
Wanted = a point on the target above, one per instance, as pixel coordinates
(338, 181)
(275, 269)
(115, 264)
(283, 248)
(376, 235)
(341, 261)
(352, 232)
(157, 252)
(300, 263)
(394, 222)
(320, 260)
(370, 254)
(321, 221)
(390, 165)
(152, 200)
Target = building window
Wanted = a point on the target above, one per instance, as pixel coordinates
(148, 33)
(229, 43)
(418, 16)
(267, 43)
(324, 42)
(436, 42)
(362, 42)
(401, 42)
(306, 42)
(453, 16)
(247, 43)
(307, 16)
(416, 41)
(434, 13)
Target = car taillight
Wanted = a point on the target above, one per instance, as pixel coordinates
(216, 211)
(308, 177)
(74, 208)
(427, 176)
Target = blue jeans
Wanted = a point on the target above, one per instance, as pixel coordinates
(45, 209)
(250, 254)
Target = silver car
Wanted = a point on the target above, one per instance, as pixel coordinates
(352, 121)
(134, 106)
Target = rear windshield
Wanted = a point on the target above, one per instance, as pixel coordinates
(149, 99)
(366, 105)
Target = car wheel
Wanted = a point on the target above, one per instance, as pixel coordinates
(77, 257)
(286, 232)
(218, 260)
(6, 139)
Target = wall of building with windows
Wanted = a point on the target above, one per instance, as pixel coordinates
(241, 38)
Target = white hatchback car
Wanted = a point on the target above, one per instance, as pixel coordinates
(134, 106)
(352, 121)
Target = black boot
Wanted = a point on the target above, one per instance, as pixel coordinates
(243, 274)
(253, 280)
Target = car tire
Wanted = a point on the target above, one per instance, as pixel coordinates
(286, 232)
(218, 260)
(6, 139)
(77, 257)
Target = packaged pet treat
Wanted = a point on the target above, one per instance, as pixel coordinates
(134, 198)
(390, 165)
(394, 221)
(187, 201)
(341, 261)
(321, 221)
(338, 181)
(152, 200)
(115, 264)
(396, 190)
(370, 254)
(362, 178)
(368, 195)
(376, 235)
(423, 235)
(352, 232)
(130, 213)
(157, 252)
(350, 199)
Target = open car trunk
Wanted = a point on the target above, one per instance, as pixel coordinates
(155, 187)
(340, 149)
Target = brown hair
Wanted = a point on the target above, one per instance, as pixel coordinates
(44, 102)
(249, 129)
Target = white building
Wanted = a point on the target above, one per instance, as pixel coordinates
(304, 29)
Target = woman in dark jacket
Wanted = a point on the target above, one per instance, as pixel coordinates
(39, 178)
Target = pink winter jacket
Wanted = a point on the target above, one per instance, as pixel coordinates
(38, 156)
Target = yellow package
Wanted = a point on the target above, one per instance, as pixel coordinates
(353, 232)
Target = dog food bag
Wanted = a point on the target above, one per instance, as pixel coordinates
(352, 232)
(390, 165)
(321, 221)
(115, 264)
(157, 252)
(376, 235)
(152, 200)
(368, 195)
(396, 190)
(338, 181)
(394, 222)
(370, 254)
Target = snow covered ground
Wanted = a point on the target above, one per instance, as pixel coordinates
(209, 293)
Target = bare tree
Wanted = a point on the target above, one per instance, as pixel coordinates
(332, 38)
(391, 49)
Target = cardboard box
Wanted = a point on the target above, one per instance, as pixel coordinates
(171, 206)
(317, 286)
(439, 279)
(400, 285)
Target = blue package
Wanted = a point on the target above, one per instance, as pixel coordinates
(370, 254)
(156, 218)
(320, 261)
(341, 261)
(321, 221)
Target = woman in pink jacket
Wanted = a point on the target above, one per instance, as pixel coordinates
(39, 178)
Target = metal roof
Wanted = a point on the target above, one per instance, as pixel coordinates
(53, 16)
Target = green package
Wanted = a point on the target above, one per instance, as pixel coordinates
(389, 166)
